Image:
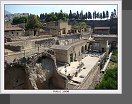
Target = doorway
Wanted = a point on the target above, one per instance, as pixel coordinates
(71, 57)
(64, 31)
(75, 57)
(102, 50)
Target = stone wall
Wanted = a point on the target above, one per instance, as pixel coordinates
(30, 44)
(29, 33)
(14, 33)
(13, 48)
(110, 38)
(27, 48)
(54, 32)
(16, 77)
(63, 55)
(58, 27)
(27, 44)
(93, 76)
(78, 49)
(101, 31)
(32, 73)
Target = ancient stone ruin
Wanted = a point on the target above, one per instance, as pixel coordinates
(36, 72)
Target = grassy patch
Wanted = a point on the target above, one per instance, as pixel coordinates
(109, 80)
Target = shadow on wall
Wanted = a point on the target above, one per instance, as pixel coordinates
(16, 77)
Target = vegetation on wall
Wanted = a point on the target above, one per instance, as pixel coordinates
(78, 24)
(110, 78)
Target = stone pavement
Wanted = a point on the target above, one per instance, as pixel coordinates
(89, 61)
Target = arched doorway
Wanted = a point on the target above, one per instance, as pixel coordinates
(75, 58)
(63, 31)
(82, 49)
(103, 50)
(71, 57)
(85, 47)
(90, 47)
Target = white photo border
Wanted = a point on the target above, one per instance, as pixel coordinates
(119, 9)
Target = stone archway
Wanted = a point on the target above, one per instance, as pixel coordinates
(49, 78)
(38, 72)
(47, 64)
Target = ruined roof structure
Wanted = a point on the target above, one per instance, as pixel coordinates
(35, 72)
(13, 28)
(10, 27)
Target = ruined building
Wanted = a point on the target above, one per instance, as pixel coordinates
(36, 72)
(57, 28)
(12, 31)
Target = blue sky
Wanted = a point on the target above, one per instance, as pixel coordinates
(38, 9)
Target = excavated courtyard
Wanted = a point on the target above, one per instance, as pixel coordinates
(88, 62)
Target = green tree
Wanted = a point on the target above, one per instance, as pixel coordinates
(89, 15)
(82, 24)
(112, 15)
(97, 15)
(110, 79)
(42, 16)
(18, 20)
(77, 15)
(81, 14)
(75, 24)
(33, 23)
(70, 15)
(107, 14)
(79, 25)
(93, 15)
(61, 16)
(104, 14)
(86, 15)
(51, 17)
(101, 16)
(114, 12)
(56, 16)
